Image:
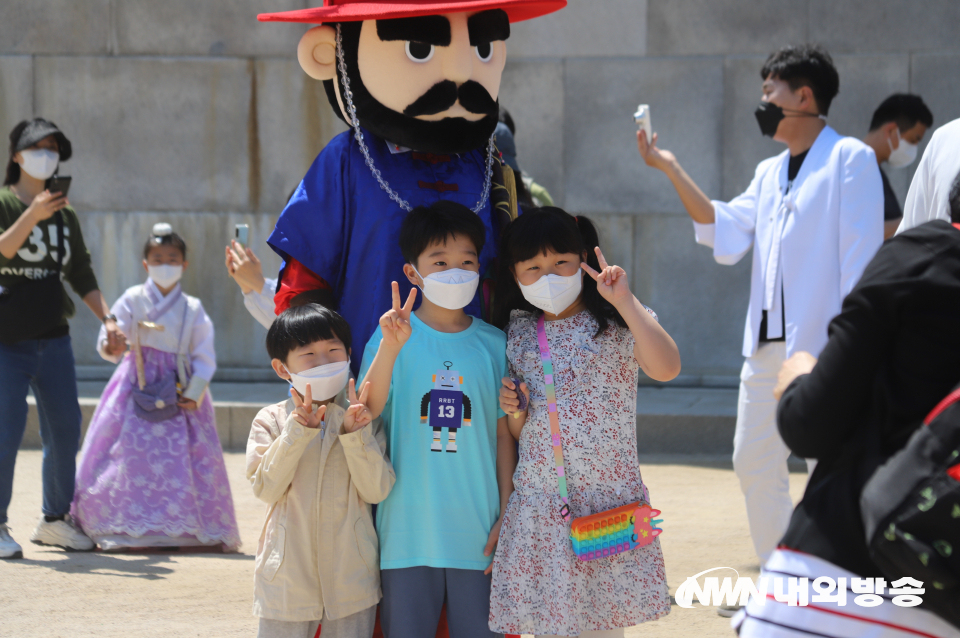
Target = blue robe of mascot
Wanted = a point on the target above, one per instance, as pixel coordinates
(417, 83)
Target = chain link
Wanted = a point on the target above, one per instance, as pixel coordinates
(358, 135)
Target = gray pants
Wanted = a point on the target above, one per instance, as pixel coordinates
(414, 596)
(358, 625)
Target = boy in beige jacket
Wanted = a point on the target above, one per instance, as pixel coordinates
(317, 465)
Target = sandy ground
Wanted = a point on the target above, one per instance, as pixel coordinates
(51, 593)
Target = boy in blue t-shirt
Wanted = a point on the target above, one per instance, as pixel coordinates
(436, 376)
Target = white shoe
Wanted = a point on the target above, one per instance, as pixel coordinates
(64, 534)
(9, 548)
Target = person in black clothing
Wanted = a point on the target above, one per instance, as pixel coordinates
(891, 357)
(897, 127)
(40, 242)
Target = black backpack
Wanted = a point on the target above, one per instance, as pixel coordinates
(911, 510)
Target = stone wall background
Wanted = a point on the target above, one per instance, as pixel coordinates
(191, 111)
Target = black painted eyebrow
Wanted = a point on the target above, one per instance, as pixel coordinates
(433, 30)
(488, 26)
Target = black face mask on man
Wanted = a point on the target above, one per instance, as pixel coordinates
(769, 116)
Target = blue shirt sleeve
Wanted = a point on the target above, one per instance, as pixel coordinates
(314, 227)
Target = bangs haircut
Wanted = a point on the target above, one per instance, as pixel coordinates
(805, 65)
(173, 239)
(298, 326)
(903, 108)
(540, 231)
(434, 224)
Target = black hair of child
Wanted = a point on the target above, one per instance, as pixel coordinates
(427, 225)
(298, 326)
(537, 231)
(173, 239)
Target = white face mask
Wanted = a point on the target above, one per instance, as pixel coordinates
(39, 163)
(553, 293)
(165, 275)
(325, 381)
(903, 155)
(451, 289)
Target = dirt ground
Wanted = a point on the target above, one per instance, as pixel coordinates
(53, 594)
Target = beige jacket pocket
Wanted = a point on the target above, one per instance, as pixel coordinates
(274, 553)
(367, 544)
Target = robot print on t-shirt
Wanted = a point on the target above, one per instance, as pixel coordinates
(446, 406)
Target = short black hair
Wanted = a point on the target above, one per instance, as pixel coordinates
(537, 231)
(507, 119)
(426, 225)
(905, 109)
(172, 239)
(805, 65)
(298, 326)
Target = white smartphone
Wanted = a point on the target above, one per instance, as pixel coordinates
(242, 234)
(642, 118)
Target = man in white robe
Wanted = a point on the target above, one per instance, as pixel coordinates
(929, 194)
(814, 217)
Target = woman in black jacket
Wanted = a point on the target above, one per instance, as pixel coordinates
(35, 350)
(893, 354)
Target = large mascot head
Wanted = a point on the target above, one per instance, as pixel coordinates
(424, 75)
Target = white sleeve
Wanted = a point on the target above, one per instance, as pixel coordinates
(731, 235)
(203, 357)
(123, 309)
(260, 304)
(861, 216)
(918, 208)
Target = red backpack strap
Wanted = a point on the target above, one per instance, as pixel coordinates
(948, 400)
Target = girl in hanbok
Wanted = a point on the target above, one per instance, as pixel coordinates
(151, 471)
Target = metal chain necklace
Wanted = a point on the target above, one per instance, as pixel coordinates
(358, 135)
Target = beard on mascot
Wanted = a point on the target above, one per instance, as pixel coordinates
(417, 82)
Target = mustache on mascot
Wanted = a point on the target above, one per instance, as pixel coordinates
(447, 135)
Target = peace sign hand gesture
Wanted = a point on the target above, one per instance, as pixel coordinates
(611, 281)
(395, 323)
(305, 415)
(357, 415)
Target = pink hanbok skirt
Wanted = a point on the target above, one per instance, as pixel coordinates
(143, 484)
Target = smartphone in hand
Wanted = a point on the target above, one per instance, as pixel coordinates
(242, 234)
(642, 118)
(59, 184)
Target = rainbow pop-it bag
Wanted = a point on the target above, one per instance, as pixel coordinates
(605, 533)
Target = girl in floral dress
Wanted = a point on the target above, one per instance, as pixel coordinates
(599, 336)
(151, 471)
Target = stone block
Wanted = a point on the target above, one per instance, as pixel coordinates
(603, 171)
(187, 27)
(56, 26)
(115, 241)
(865, 82)
(16, 90)
(708, 27)
(616, 240)
(743, 145)
(153, 134)
(294, 123)
(889, 26)
(936, 78)
(701, 304)
(583, 29)
(532, 90)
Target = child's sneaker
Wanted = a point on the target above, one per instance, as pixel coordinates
(9, 548)
(62, 533)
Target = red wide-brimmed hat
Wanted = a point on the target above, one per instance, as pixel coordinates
(357, 10)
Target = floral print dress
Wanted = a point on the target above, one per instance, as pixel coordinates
(539, 586)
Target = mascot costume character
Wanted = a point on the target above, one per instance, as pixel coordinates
(417, 82)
